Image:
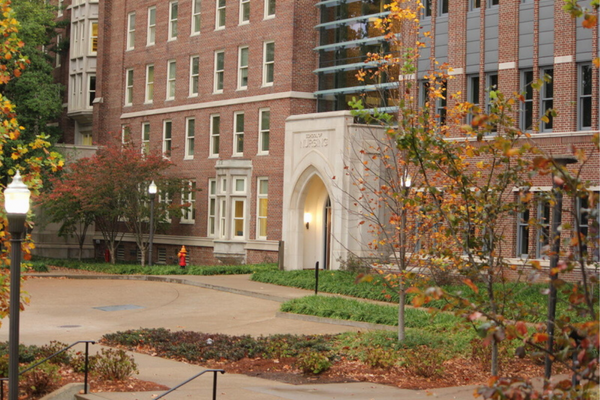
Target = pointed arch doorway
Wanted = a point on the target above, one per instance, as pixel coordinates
(315, 204)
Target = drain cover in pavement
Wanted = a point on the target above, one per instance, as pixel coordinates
(118, 308)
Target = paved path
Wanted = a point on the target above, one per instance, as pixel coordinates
(84, 307)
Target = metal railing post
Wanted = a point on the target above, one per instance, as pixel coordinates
(85, 378)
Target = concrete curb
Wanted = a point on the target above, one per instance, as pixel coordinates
(67, 392)
(333, 321)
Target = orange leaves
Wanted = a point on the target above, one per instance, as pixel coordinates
(596, 62)
(539, 337)
(470, 284)
(589, 21)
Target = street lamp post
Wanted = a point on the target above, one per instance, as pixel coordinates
(406, 182)
(152, 192)
(16, 202)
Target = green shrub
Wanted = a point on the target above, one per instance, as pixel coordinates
(377, 357)
(41, 380)
(425, 361)
(78, 362)
(114, 365)
(52, 348)
(313, 362)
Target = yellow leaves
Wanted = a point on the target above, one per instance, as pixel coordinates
(15, 156)
(596, 62)
(512, 152)
(535, 265)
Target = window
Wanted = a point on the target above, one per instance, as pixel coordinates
(547, 99)
(269, 9)
(146, 138)
(86, 138)
(239, 185)
(219, 71)
(75, 40)
(243, 68)
(238, 134)
(588, 219)
(493, 3)
(94, 37)
(527, 105)
(173, 11)
(167, 136)
(441, 103)
(129, 87)
(543, 228)
(125, 134)
(215, 133)
(91, 89)
(171, 75)
(194, 75)
(474, 4)
(491, 85)
(264, 130)
(60, 8)
(196, 17)
(244, 11)
(473, 94)
(149, 83)
(443, 6)
(238, 222)
(426, 8)
(585, 96)
(188, 196)
(165, 198)
(212, 207)
(220, 21)
(268, 63)
(57, 51)
(151, 35)
(222, 218)
(130, 31)
(262, 204)
(523, 233)
(190, 133)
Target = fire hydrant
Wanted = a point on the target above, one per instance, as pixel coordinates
(182, 253)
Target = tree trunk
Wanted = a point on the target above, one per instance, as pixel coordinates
(401, 302)
(495, 362)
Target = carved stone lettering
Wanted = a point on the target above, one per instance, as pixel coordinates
(313, 140)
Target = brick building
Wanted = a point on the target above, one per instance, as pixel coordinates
(248, 99)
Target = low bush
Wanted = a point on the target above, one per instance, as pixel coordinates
(41, 380)
(313, 362)
(425, 361)
(114, 365)
(377, 357)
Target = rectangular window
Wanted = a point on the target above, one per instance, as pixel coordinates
(441, 103)
(171, 75)
(219, 71)
(264, 131)
(239, 185)
(188, 196)
(75, 38)
(151, 35)
(238, 222)
(585, 97)
(474, 4)
(212, 207)
(60, 8)
(262, 204)
(165, 198)
(243, 68)
(215, 133)
(473, 95)
(523, 234)
(94, 37)
(443, 6)
(527, 105)
(244, 11)
(269, 9)
(493, 2)
(222, 218)
(167, 136)
(547, 99)
(129, 87)
(268, 63)
(190, 134)
(149, 83)
(588, 223)
(238, 134)
(194, 75)
(427, 8)
(543, 228)
(173, 13)
(146, 138)
(125, 134)
(130, 31)
(82, 42)
(196, 17)
(57, 51)
(220, 21)
(91, 89)
(492, 86)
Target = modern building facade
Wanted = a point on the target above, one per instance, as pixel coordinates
(247, 98)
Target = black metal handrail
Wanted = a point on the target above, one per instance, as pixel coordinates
(194, 377)
(85, 372)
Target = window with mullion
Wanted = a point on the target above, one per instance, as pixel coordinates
(167, 137)
(149, 83)
(547, 99)
(527, 105)
(190, 134)
(585, 97)
(238, 141)
(243, 68)
(269, 63)
(215, 133)
(523, 233)
(146, 138)
(244, 11)
(264, 131)
(196, 14)
(171, 79)
(262, 205)
(173, 15)
(269, 8)
(543, 227)
(188, 196)
(212, 207)
(219, 71)
(151, 32)
(221, 14)
(131, 31)
(129, 87)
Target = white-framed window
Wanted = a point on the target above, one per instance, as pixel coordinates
(526, 120)
(94, 37)
(220, 15)
(243, 68)
(60, 8)
(587, 225)
(125, 134)
(165, 198)
(167, 137)
(239, 185)
(173, 15)
(212, 207)
(223, 186)
(149, 95)
(75, 38)
(196, 14)
(268, 63)
(215, 134)
(262, 203)
(547, 99)
(188, 196)
(151, 34)
(171, 79)
(194, 75)
(129, 87)
(523, 233)
(244, 11)
(584, 99)
(57, 51)
(222, 218)
(269, 9)
(91, 88)
(131, 31)
(473, 92)
(190, 134)
(544, 210)
(264, 131)
(145, 137)
(219, 71)
(238, 220)
(238, 133)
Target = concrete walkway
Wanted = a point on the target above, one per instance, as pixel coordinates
(76, 307)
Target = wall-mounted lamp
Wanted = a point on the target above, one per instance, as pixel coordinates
(307, 219)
